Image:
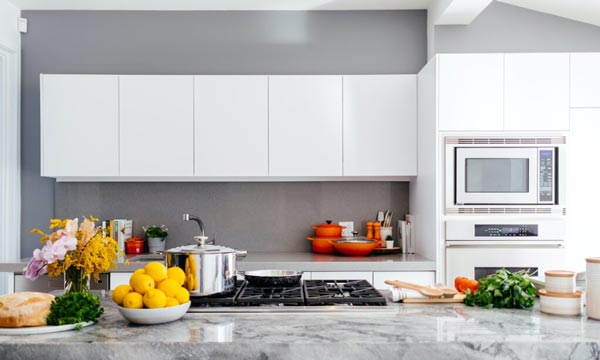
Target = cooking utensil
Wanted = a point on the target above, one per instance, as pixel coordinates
(328, 230)
(209, 269)
(322, 245)
(354, 246)
(424, 290)
(448, 292)
(268, 278)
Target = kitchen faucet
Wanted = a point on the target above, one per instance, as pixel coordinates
(188, 217)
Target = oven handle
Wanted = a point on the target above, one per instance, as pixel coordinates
(507, 243)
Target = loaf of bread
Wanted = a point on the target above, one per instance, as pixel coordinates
(24, 309)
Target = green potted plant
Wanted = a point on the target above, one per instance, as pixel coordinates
(156, 236)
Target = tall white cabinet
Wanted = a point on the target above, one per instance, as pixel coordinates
(380, 123)
(305, 125)
(156, 125)
(585, 80)
(79, 125)
(231, 126)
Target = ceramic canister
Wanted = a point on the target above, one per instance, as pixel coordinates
(592, 288)
(560, 281)
(560, 304)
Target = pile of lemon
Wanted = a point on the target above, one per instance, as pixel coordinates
(153, 287)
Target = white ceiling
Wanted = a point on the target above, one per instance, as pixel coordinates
(587, 11)
(219, 4)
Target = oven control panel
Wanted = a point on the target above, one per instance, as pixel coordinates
(500, 230)
(546, 176)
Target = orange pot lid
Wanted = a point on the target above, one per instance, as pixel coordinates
(328, 225)
(593, 260)
(559, 273)
(576, 294)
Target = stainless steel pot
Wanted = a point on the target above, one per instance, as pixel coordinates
(209, 269)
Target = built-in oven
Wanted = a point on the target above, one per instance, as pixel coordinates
(477, 246)
(505, 173)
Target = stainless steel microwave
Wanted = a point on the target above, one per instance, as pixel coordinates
(505, 172)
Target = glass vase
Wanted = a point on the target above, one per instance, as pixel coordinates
(76, 281)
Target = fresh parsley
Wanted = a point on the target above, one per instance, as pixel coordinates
(73, 308)
(503, 290)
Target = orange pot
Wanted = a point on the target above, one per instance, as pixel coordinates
(354, 246)
(322, 245)
(328, 230)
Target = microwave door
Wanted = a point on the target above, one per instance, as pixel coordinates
(496, 176)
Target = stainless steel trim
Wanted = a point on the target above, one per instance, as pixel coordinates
(455, 140)
(506, 210)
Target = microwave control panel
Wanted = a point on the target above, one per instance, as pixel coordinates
(546, 176)
(497, 230)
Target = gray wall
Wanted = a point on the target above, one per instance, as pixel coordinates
(252, 216)
(133, 42)
(507, 28)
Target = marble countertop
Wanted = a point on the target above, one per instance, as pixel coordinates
(411, 331)
(303, 261)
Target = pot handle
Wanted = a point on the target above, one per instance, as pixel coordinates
(310, 238)
(240, 254)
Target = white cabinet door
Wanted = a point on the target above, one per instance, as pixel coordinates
(471, 92)
(305, 125)
(79, 125)
(536, 91)
(231, 126)
(585, 80)
(346, 275)
(380, 125)
(157, 125)
(425, 278)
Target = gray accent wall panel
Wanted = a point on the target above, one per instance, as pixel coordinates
(154, 42)
(251, 216)
(507, 28)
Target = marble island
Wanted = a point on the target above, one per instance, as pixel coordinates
(450, 331)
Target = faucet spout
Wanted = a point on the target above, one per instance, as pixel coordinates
(188, 217)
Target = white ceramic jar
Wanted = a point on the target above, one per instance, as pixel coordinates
(560, 281)
(592, 288)
(560, 304)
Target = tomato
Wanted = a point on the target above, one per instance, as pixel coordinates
(463, 284)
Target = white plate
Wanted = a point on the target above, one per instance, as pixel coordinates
(31, 330)
(154, 316)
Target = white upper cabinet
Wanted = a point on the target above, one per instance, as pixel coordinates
(231, 126)
(79, 125)
(536, 91)
(585, 80)
(305, 125)
(471, 92)
(380, 125)
(156, 125)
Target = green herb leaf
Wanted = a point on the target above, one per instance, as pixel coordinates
(73, 308)
(503, 290)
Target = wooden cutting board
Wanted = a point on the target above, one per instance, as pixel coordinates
(458, 298)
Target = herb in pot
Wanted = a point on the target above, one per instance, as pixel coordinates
(73, 308)
(389, 237)
(156, 231)
(503, 290)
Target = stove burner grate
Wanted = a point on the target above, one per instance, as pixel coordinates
(251, 295)
(332, 292)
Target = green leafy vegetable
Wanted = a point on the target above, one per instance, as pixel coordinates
(503, 290)
(73, 308)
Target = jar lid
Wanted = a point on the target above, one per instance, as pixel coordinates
(593, 260)
(576, 294)
(559, 273)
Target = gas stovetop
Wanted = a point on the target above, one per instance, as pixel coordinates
(311, 295)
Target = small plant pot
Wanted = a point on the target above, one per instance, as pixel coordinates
(156, 244)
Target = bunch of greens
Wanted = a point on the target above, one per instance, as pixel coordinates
(503, 290)
(73, 308)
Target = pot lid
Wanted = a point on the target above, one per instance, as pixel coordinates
(355, 239)
(202, 247)
(328, 225)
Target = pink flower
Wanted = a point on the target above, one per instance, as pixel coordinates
(51, 252)
(35, 267)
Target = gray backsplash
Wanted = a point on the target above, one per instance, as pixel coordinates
(250, 216)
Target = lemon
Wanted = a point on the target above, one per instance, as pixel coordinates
(156, 270)
(133, 300)
(155, 299)
(120, 292)
(139, 271)
(141, 283)
(169, 287)
(171, 301)
(182, 295)
(176, 274)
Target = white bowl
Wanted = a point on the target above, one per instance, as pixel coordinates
(560, 304)
(154, 316)
(560, 281)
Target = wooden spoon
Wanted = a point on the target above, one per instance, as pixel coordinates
(423, 290)
(448, 292)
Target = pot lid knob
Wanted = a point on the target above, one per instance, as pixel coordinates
(201, 240)
(355, 234)
(328, 221)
